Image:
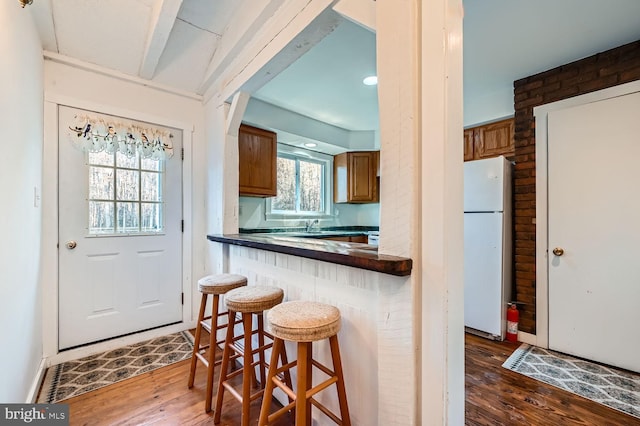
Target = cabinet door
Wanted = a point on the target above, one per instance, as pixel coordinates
(362, 180)
(469, 142)
(495, 139)
(257, 162)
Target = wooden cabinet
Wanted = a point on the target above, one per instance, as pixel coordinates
(469, 143)
(490, 140)
(257, 149)
(355, 177)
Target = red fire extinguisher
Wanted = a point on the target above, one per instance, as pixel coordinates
(512, 322)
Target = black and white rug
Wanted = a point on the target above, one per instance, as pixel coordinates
(76, 377)
(618, 389)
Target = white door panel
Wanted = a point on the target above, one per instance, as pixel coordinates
(594, 287)
(483, 272)
(111, 285)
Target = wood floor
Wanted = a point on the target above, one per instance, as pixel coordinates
(494, 396)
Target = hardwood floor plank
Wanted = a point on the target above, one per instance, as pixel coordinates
(497, 396)
(494, 396)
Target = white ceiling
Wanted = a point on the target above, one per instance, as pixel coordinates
(172, 42)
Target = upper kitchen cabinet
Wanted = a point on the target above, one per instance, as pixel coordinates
(490, 140)
(355, 177)
(258, 155)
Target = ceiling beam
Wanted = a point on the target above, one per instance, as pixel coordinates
(296, 27)
(245, 22)
(361, 12)
(164, 16)
(236, 112)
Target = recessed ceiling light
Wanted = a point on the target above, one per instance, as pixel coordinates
(310, 145)
(372, 80)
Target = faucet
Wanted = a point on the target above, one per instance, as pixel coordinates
(309, 224)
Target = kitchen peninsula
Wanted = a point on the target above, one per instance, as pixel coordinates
(373, 293)
(357, 255)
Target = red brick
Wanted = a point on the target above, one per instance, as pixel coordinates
(532, 101)
(630, 75)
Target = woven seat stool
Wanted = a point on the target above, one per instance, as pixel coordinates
(248, 301)
(214, 285)
(304, 323)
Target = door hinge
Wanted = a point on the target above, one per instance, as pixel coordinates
(182, 225)
(182, 154)
(182, 298)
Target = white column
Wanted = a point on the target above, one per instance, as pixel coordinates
(441, 213)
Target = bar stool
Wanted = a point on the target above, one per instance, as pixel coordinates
(211, 285)
(304, 322)
(248, 301)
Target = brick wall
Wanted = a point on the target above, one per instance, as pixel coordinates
(605, 69)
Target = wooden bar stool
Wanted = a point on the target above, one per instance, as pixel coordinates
(211, 285)
(249, 301)
(304, 322)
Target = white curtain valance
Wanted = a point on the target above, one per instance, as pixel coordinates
(96, 134)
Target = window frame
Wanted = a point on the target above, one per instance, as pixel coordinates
(291, 152)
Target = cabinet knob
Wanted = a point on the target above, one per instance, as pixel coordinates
(558, 251)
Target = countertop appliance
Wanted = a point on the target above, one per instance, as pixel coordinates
(487, 245)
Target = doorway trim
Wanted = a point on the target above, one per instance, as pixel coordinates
(540, 114)
(50, 188)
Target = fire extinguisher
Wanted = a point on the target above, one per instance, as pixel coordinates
(512, 322)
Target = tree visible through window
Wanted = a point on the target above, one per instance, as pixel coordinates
(125, 194)
(300, 185)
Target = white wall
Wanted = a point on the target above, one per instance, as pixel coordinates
(20, 172)
(63, 81)
(490, 106)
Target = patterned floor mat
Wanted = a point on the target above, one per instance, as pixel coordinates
(76, 377)
(618, 389)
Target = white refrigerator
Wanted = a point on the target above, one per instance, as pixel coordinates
(487, 246)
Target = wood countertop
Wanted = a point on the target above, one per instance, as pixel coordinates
(357, 255)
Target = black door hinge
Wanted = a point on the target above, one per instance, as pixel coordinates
(182, 225)
(182, 298)
(182, 154)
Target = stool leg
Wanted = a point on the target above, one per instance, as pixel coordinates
(337, 368)
(261, 355)
(224, 368)
(278, 346)
(212, 352)
(247, 321)
(303, 406)
(196, 343)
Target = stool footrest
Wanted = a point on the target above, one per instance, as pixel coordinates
(237, 395)
(280, 412)
(321, 386)
(323, 367)
(326, 411)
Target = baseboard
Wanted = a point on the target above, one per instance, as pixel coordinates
(528, 338)
(37, 381)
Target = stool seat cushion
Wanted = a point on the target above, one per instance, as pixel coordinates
(303, 321)
(253, 298)
(220, 283)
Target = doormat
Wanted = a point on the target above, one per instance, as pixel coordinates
(618, 389)
(76, 377)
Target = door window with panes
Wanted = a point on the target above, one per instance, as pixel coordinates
(125, 194)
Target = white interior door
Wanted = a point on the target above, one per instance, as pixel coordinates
(124, 216)
(594, 286)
